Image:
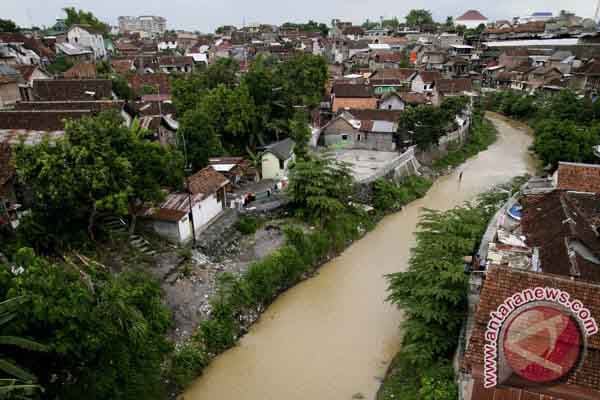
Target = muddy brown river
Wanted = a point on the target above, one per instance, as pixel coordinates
(333, 336)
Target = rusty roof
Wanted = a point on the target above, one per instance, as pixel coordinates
(206, 181)
(562, 225)
(81, 71)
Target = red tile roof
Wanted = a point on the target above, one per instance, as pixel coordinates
(206, 181)
(453, 85)
(345, 90)
(471, 15)
(579, 177)
(160, 81)
(71, 89)
(39, 120)
(430, 76)
(81, 71)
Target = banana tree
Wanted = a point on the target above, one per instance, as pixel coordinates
(19, 383)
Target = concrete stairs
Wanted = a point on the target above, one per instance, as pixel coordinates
(117, 225)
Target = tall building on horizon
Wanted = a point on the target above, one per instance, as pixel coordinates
(149, 25)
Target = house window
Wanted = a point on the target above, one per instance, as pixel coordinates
(76, 40)
(359, 137)
(344, 137)
(281, 164)
(389, 107)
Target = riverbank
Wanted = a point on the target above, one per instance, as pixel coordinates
(423, 366)
(333, 336)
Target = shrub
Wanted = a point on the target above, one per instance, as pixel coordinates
(219, 332)
(187, 362)
(247, 225)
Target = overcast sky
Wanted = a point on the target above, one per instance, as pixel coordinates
(206, 15)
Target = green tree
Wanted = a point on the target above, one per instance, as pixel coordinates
(565, 140)
(188, 90)
(423, 125)
(61, 64)
(449, 22)
(7, 25)
(105, 332)
(320, 189)
(300, 132)
(419, 17)
(199, 139)
(121, 87)
(81, 17)
(99, 167)
(19, 383)
(302, 80)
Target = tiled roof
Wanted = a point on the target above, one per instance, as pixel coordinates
(471, 15)
(561, 225)
(376, 115)
(346, 90)
(413, 98)
(160, 81)
(95, 106)
(71, 89)
(430, 76)
(453, 85)
(206, 181)
(122, 66)
(81, 71)
(353, 30)
(502, 283)
(392, 74)
(179, 60)
(39, 120)
(387, 57)
(579, 177)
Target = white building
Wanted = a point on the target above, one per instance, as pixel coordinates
(86, 37)
(151, 25)
(471, 19)
(207, 200)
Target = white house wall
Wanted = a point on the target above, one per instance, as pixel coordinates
(206, 210)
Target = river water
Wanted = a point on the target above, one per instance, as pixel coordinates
(333, 336)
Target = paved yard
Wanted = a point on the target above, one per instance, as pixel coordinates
(365, 163)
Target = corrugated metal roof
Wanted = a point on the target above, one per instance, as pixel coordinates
(383, 126)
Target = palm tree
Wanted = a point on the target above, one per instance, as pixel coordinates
(19, 384)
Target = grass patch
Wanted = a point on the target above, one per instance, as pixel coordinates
(248, 225)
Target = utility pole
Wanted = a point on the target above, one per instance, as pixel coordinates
(187, 171)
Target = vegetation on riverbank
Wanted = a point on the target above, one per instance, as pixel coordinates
(566, 126)
(321, 192)
(481, 135)
(390, 196)
(433, 295)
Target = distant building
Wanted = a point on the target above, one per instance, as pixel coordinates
(88, 38)
(149, 24)
(471, 19)
(537, 16)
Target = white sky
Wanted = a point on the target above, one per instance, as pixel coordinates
(206, 15)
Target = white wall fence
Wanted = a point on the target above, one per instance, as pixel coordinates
(405, 159)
